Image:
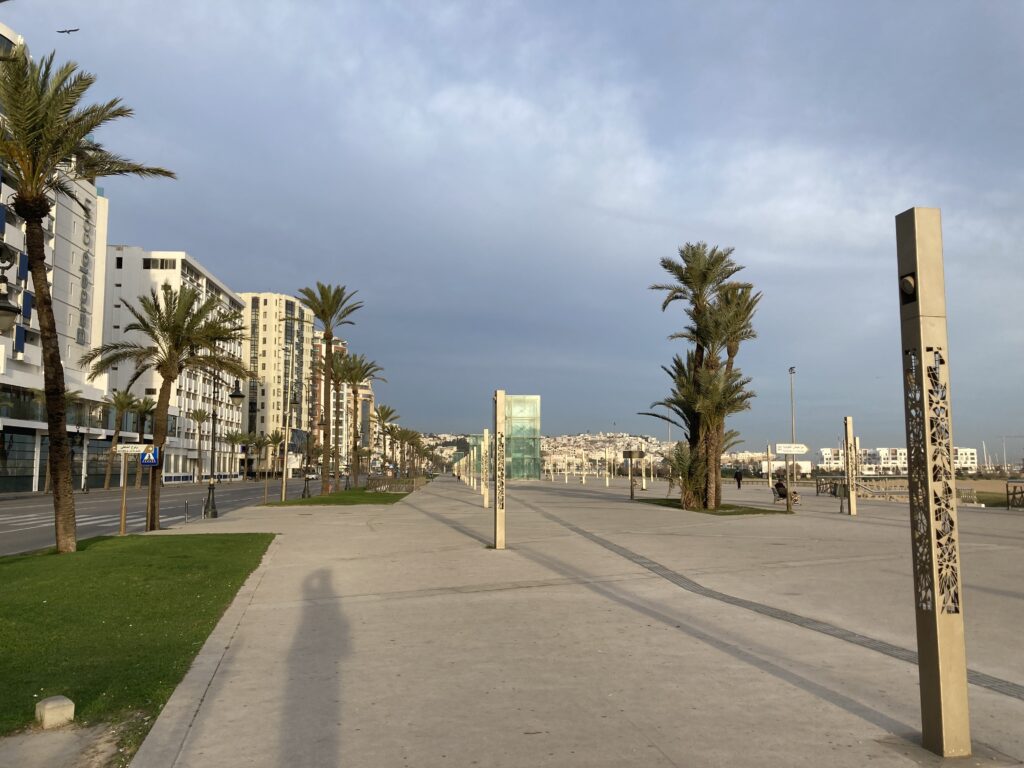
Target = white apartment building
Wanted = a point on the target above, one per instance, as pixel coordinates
(133, 272)
(965, 459)
(75, 246)
(889, 461)
(281, 352)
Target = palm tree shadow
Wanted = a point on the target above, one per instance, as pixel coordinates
(311, 723)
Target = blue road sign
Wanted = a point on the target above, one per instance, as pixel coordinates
(150, 457)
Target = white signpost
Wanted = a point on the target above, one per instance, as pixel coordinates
(134, 448)
(791, 449)
(126, 450)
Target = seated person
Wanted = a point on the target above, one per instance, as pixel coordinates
(780, 488)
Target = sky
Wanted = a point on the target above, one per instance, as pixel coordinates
(499, 181)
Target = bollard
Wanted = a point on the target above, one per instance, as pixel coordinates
(186, 510)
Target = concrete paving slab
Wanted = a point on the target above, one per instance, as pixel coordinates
(608, 634)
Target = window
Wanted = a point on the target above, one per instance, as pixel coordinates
(264, 367)
(120, 262)
(117, 285)
(150, 391)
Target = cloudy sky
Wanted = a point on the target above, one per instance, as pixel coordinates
(500, 179)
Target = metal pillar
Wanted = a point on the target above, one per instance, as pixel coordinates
(938, 588)
(499, 469)
(850, 456)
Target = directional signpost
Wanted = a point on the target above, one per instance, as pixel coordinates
(629, 456)
(147, 457)
(789, 450)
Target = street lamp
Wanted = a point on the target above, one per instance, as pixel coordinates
(9, 311)
(792, 436)
(210, 508)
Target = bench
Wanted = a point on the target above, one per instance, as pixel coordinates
(777, 497)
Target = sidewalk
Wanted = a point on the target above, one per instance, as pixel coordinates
(392, 636)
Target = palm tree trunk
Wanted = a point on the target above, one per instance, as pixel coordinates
(325, 482)
(59, 458)
(159, 438)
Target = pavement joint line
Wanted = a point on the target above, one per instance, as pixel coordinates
(981, 679)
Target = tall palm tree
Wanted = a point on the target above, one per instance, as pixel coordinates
(144, 409)
(706, 389)
(236, 440)
(122, 401)
(179, 332)
(71, 400)
(392, 431)
(385, 416)
(259, 442)
(331, 305)
(356, 370)
(46, 144)
(200, 416)
(274, 440)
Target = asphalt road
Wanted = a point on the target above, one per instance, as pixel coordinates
(26, 520)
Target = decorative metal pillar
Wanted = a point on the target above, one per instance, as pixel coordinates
(850, 461)
(499, 469)
(938, 589)
(485, 480)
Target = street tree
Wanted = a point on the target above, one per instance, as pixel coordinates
(331, 305)
(47, 145)
(172, 332)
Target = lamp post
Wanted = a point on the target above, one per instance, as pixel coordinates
(237, 396)
(792, 435)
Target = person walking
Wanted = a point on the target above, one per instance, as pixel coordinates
(739, 478)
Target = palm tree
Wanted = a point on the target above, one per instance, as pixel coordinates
(259, 442)
(122, 402)
(236, 440)
(144, 409)
(200, 416)
(720, 312)
(46, 144)
(274, 440)
(179, 332)
(71, 399)
(392, 432)
(354, 371)
(331, 305)
(386, 416)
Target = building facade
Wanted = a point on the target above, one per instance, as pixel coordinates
(282, 352)
(75, 236)
(133, 272)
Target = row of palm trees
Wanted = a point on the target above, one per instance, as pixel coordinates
(707, 386)
(47, 143)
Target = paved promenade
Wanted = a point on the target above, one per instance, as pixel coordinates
(608, 634)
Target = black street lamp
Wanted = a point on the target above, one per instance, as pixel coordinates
(210, 507)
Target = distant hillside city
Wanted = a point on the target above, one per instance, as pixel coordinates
(574, 452)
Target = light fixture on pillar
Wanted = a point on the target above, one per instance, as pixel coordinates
(9, 311)
(237, 396)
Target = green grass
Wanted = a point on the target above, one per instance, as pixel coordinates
(355, 496)
(992, 498)
(725, 509)
(114, 626)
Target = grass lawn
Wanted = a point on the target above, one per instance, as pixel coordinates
(354, 496)
(114, 626)
(725, 509)
(992, 498)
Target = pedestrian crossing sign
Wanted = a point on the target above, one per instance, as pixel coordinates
(149, 457)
